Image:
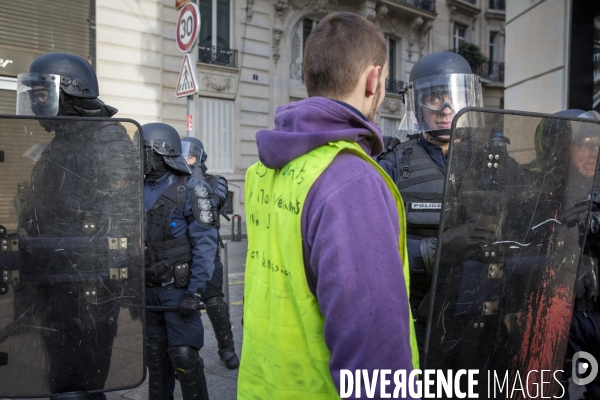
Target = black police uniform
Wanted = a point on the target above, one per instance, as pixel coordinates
(76, 172)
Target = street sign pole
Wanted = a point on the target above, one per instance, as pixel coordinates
(188, 28)
(191, 99)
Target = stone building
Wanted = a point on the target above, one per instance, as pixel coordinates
(250, 60)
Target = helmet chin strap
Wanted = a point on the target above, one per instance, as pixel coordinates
(435, 135)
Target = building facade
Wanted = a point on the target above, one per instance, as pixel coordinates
(250, 61)
(553, 55)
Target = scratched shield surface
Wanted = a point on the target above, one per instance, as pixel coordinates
(70, 257)
(517, 198)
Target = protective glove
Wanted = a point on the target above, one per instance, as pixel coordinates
(428, 251)
(191, 304)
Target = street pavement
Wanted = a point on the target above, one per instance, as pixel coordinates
(222, 382)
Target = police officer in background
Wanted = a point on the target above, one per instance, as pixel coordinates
(216, 308)
(585, 325)
(85, 169)
(181, 240)
(441, 84)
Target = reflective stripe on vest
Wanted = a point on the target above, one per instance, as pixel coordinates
(284, 353)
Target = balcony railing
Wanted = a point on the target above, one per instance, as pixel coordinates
(393, 86)
(474, 2)
(428, 5)
(497, 5)
(494, 71)
(218, 56)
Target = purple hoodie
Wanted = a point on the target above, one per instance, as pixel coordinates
(350, 235)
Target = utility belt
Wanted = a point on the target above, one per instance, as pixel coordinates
(586, 305)
(161, 273)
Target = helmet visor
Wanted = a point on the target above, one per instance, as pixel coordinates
(191, 152)
(37, 94)
(432, 102)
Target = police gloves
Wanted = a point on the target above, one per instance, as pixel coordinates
(191, 304)
(428, 250)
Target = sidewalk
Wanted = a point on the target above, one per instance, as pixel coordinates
(222, 382)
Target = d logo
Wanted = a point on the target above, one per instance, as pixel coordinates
(588, 366)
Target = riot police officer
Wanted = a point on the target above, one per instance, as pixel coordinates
(181, 243)
(82, 191)
(440, 85)
(585, 325)
(216, 308)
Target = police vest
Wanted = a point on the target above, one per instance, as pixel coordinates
(284, 354)
(421, 184)
(160, 242)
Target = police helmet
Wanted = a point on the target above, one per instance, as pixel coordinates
(441, 84)
(38, 89)
(164, 140)
(557, 135)
(192, 147)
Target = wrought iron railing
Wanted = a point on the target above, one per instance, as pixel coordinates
(428, 5)
(394, 86)
(494, 71)
(497, 5)
(218, 56)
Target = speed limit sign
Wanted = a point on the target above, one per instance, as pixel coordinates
(188, 27)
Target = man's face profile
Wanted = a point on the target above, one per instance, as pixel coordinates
(377, 97)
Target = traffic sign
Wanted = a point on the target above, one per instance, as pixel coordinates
(188, 26)
(187, 83)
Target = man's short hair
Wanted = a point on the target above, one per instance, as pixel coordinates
(338, 51)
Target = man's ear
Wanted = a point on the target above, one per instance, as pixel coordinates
(372, 80)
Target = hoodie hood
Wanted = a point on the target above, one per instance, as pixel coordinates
(303, 126)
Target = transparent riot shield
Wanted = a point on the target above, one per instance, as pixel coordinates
(71, 293)
(517, 199)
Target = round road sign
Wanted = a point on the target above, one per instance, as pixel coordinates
(188, 27)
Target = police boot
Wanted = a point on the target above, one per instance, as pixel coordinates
(218, 314)
(190, 372)
(158, 370)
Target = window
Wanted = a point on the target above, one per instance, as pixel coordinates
(303, 30)
(215, 33)
(493, 47)
(460, 35)
(497, 4)
(393, 84)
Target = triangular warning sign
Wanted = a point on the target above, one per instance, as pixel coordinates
(187, 83)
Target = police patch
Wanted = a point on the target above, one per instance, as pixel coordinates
(425, 206)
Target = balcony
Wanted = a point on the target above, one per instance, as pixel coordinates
(393, 86)
(493, 71)
(217, 56)
(410, 8)
(427, 5)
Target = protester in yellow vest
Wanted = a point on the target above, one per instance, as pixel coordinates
(326, 272)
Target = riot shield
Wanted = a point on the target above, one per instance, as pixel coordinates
(71, 294)
(517, 199)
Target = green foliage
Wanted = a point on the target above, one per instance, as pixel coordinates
(472, 54)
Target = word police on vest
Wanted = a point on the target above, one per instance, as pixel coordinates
(426, 206)
(459, 384)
